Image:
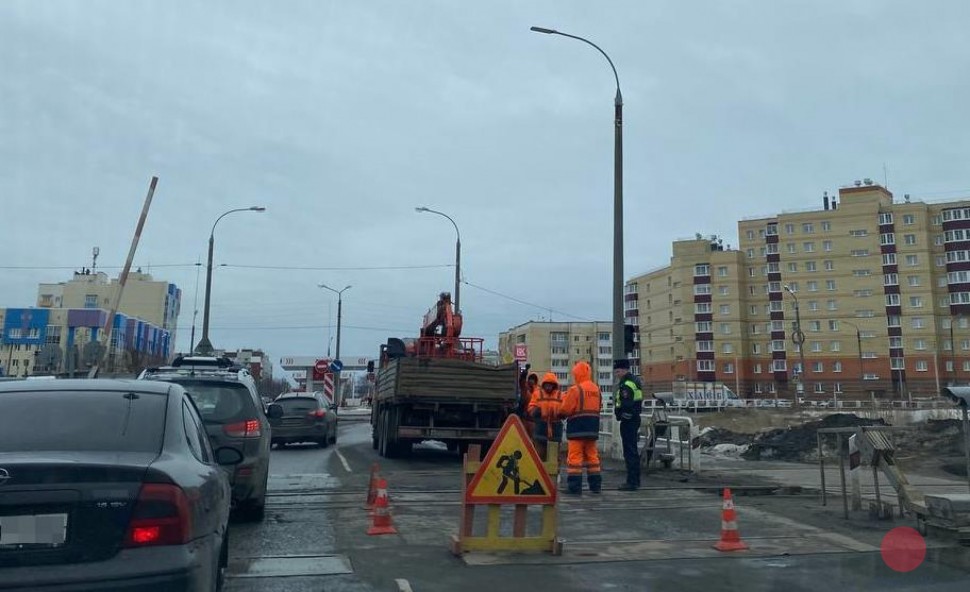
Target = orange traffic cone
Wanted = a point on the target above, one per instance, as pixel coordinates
(372, 487)
(730, 538)
(381, 523)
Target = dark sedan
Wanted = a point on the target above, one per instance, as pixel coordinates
(304, 418)
(111, 486)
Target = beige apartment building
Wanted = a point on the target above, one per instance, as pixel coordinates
(556, 347)
(156, 302)
(881, 287)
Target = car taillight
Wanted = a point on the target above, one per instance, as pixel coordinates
(317, 413)
(243, 429)
(161, 517)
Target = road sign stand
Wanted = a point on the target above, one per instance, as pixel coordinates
(474, 479)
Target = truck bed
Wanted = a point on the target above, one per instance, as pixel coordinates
(442, 379)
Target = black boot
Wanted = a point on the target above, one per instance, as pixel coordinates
(595, 482)
(574, 485)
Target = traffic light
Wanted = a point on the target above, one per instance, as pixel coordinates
(630, 333)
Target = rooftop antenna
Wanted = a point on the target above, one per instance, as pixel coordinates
(885, 176)
(94, 259)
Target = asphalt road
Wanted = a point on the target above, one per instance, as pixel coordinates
(658, 538)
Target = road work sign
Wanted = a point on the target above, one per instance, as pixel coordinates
(511, 472)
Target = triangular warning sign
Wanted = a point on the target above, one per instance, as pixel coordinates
(511, 472)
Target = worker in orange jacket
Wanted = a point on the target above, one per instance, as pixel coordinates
(530, 390)
(544, 411)
(581, 408)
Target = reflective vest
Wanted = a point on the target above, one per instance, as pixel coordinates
(637, 401)
(584, 424)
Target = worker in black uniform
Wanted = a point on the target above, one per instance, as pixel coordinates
(627, 406)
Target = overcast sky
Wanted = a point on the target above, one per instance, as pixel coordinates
(341, 117)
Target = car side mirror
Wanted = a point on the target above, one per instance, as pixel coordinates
(226, 456)
(333, 407)
(274, 411)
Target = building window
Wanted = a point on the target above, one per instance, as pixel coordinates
(777, 345)
(826, 226)
(890, 279)
(813, 286)
(921, 366)
(791, 248)
(722, 290)
(815, 326)
(937, 220)
(789, 229)
(725, 328)
(756, 348)
(909, 219)
(887, 238)
(938, 240)
(810, 266)
(861, 272)
(894, 321)
(816, 346)
(889, 258)
(750, 253)
(892, 299)
(819, 387)
(813, 305)
(727, 348)
(917, 322)
(895, 342)
(702, 270)
(837, 366)
(703, 326)
(793, 267)
(827, 245)
(808, 247)
(702, 289)
(753, 309)
(909, 239)
(775, 306)
(913, 280)
(885, 217)
(897, 364)
(911, 260)
(750, 235)
(818, 367)
(778, 366)
(725, 309)
(830, 285)
(833, 326)
(729, 368)
(916, 301)
(793, 286)
(722, 271)
(859, 232)
(829, 265)
(919, 344)
(705, 365)
(90, 301)
(705, 346)
(859, 252)
(702, 307)
(808, 228)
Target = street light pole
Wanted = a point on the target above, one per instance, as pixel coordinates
(618, 320)
(858, 340)
(457, 294)
(205, 346)
(798, 338)
(340, 308)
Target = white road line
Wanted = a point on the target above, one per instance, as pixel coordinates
(403, 585)
(343, 460)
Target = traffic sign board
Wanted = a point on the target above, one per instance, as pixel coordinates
(321, 365)
(521, 352)
(511, 472)
(336, 366)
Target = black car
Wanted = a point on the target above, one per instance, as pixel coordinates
(109, 485)
(233, 416)
(303, 417)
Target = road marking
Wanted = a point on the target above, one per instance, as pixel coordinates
(343, 460)
(403, 585)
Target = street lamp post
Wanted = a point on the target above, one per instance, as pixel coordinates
(798, 338)
(858, 340)
(340, 302)
(457, 294)
(205, 346)
(618, 321)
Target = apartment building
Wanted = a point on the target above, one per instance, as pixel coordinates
(556, 347)
(156, 302)
(876, 289)
(63, 340)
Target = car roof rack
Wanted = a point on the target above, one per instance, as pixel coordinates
(203, 361)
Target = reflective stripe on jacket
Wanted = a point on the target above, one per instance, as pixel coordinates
(581, 405)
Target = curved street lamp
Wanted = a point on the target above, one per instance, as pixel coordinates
(798, 338)
(205, 346)
(457, 293)
(340, 301)
(618, 319)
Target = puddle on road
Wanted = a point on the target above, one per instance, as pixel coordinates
(290, 565)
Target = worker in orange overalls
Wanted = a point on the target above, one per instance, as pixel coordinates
(581, 408)
(544, 411)
(529, 389)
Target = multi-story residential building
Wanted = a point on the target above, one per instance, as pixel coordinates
(882, 289)
(156, 302)
(259, 364)
(556, 347)
(63, 340)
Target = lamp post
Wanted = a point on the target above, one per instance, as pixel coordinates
(340, 301)
(457, 293)
(205, 346)
(858, 340)
(618, 321)
(798, 338)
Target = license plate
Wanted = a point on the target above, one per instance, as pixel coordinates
(37, 529)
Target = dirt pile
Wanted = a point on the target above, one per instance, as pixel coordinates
(936, 437)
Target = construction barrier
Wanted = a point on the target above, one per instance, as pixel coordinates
(510, 475)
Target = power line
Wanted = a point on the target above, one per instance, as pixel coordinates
(317, 327)
(310, 268)
(76, 267)
(523, 302)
